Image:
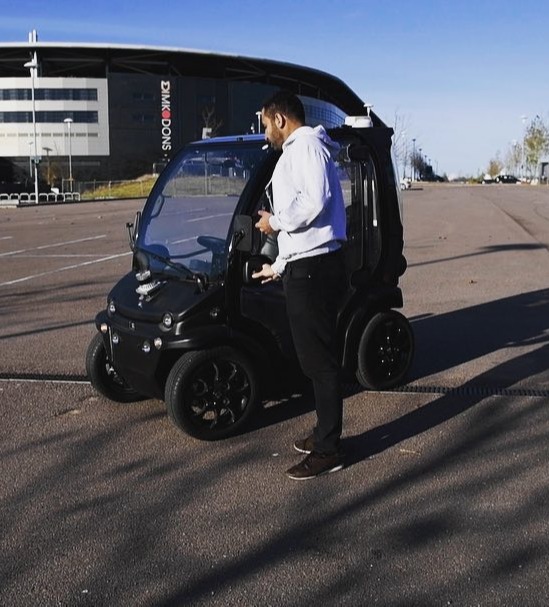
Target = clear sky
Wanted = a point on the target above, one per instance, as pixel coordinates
(458, 76)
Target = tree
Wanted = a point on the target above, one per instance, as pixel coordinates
(211, 123)
(513, 158)
(400, 143)
(536, 143)
(418, 164)
(495, 166)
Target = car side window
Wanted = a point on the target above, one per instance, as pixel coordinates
(351, 185)
(372, 227)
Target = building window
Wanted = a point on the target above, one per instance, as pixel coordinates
(142, 96)
(48, 94)
(55, 117)
(143, 118)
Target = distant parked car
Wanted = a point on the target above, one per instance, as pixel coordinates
(487, 179)
(507, 179)
(405, 183)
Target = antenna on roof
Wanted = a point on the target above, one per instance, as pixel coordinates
(33, 36)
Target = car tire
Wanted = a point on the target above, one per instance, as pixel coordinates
(385, 351)
(104, 378)
(211, 394)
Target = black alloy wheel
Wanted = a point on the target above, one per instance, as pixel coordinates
(210, 394)
(103, 376)
(385, 351)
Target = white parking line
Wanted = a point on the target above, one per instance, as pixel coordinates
(209, 217)
(49, 246)
(73, 267)
(6, 237)
(184, 240)
(54, 256)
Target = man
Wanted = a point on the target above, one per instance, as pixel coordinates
(309, 216)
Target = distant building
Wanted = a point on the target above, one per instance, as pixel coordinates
(129, 108)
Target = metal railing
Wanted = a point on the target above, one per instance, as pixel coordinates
(30, 197)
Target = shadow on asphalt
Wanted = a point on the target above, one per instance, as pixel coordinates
(447, 340)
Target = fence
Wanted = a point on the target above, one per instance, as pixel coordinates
(30, 198)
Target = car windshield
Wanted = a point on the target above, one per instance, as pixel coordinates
(187, 216)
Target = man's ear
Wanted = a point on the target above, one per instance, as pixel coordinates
(280, 120)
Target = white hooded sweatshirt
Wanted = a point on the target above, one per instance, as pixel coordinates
(308, 207)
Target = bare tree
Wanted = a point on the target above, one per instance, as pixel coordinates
(210, 120)
(513, 157)
(401, 143)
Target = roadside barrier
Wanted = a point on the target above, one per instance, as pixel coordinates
(30, 198)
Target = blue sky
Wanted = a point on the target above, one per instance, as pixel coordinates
(458, 76)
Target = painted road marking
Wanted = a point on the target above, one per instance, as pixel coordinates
(49, 246)
(209, 217)
(73, 267)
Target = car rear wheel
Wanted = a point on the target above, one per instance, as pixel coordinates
(385, 351)
(210, 394)
(103, 376)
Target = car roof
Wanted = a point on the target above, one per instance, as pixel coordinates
(248, 138)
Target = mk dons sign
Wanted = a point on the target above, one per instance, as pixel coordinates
(166, 113)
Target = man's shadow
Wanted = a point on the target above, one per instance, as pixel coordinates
(449, 340)
(443, 342)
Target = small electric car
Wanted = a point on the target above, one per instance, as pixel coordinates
(189, 325)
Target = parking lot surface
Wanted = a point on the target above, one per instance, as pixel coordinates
(442, 502)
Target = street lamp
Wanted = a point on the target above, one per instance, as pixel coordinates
(31, 143)
(524, 118)
(68, 122)
(33, 65)
(258, 114)
(413, 160)
(403, 147)
(48, 150)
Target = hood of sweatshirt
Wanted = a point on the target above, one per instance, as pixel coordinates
(319, 132)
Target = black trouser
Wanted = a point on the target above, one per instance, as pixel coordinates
(313, 286)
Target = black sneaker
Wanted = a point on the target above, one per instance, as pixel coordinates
(316, 464)
(305, 445)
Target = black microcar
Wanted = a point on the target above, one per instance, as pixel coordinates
(190, 326)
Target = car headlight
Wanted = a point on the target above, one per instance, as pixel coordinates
(167, 320)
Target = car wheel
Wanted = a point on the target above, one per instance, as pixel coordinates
(210, 394)
(103, 376)
(385, 351)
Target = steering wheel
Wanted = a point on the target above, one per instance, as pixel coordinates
(212, 243)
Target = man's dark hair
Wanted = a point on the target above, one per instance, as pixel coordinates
(286, 103)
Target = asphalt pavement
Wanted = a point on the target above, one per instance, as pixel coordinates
(442, 502)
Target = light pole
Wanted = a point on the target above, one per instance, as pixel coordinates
(413, 159)
(68, 122)
(403, 147)
(48, 150)
(258, 114)
(524, 118)
(33, 65)
(31, 143)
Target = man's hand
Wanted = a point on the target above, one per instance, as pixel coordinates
(267, 273)
(263, 224)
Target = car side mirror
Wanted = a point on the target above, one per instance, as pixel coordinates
(242, 233)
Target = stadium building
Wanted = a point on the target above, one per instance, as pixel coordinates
(108, 112)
